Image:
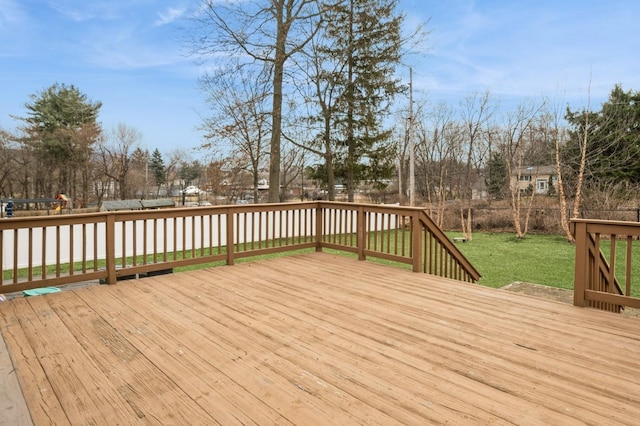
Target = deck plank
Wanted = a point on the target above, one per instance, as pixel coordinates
(318, 339)
(465, 360)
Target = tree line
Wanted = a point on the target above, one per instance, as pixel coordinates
(309, 87)
(60, 147)
(322, 77)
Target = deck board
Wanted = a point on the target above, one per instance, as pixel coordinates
(318, 339)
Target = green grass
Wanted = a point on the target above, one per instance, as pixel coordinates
(502, 259)
(541, 259)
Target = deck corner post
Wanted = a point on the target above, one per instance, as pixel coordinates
(581, 263)
(110, 244)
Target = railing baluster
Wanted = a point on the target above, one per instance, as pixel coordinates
(30, 244)
(134, 234)
(184, 237)
(95, 247)
(123, 261)
(2, 256)
(84, 248)
(145, 224)
(612, 262)
(155, 240)
(58, 251)
(627, 278)
(43, 267)
(71, 258)
(15, 259)
(110, 232)
(192, 224)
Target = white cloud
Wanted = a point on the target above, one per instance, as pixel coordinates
(169, 16)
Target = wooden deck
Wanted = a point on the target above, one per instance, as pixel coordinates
(318, 339)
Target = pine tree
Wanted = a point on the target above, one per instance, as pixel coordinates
(62, 128)
(497, 179)
(158, 170)
(364, 37)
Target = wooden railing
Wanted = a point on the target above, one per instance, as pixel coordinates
(56, 250)
(603, 273)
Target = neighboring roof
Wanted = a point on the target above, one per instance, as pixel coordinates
(116, 205)
(154, 204)
(535, 170)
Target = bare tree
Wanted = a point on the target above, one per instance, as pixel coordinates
(241, 119)
(174, 159)
(476, 113)
(320, 95)
(291, 167)
(215, 177)
(266, 31)
(437, 151)
(116, 156)
(8, 153)
(518, 135)
(552, 125)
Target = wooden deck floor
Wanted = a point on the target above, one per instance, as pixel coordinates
(318, 339)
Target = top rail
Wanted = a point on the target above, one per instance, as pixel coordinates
(108, 246)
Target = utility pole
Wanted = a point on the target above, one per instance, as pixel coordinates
(412, 179)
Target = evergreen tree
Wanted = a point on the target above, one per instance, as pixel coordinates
(551, 191)
(613, 147)
(190, 172)
(62, 128)
(497, 178)
(158, 170)
(364, 38)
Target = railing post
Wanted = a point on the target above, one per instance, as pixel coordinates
(416, 241)
(581, 263)
(361, 231)
(319, 221)
(230, 240)
(110, 231)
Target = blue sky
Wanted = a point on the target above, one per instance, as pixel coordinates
(128, 54)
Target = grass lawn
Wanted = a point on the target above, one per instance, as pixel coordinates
(503, 259)
(540, 259)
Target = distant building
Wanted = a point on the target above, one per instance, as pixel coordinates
(534, 177)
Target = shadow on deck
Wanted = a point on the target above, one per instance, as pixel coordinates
(318, 339)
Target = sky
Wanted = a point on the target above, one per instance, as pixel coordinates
(130, 55)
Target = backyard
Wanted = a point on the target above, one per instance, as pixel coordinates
(547, 260)
(502, 259)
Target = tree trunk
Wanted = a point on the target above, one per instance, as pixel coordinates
(276, 117)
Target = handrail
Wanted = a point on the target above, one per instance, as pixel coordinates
(108, 246)
(465, 270)
(596, 282)
(400, 234)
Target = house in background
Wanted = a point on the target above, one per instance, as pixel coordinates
(538, 178)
